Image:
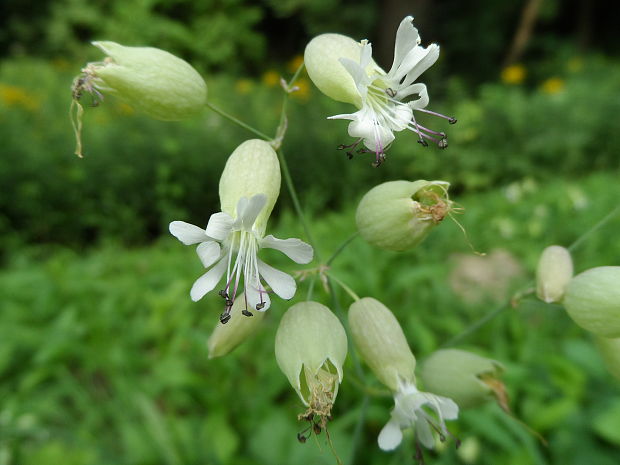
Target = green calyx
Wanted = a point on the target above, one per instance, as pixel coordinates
(398, 215)
(592, 300)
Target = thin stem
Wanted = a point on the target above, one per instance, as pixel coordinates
(237, 121)
(311, 288)
(346, 288)
(359, 426)
(296, 204)
(296, 75)
(477, 325)
(594, 228)
(341, 247)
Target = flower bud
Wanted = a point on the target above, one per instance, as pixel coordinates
(226, 337)
(322, 60)
(464, 377)
(398, 215)
(610, 350)
(152, 80)
(381, 342)
(253, 168)
(555, 270)
(592, 300)
(311, 346)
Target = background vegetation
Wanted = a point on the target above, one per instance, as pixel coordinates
(103, 355)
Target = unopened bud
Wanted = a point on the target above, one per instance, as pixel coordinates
(151, 80)
(555, 270)
(311, 346)
(228, 336)
(592, 300)
(398, 215)
(610, 350)
(464, 377)
(253, 168)
(381, 342)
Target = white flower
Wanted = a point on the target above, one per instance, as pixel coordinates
(409, 412)
(382, 106)
(230, 246)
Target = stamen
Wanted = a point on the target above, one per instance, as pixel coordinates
(451, 119)
(350, 146)
(225, 316)
(246, 312)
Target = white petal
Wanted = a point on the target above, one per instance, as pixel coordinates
(446, 408)
(406, 38)
(219, 226)
(255, 297)
(208, 252)
(400, 117)
(295, 249)
(250, 209)
(350, 116)
(420, 89)
(376, 137)
(390, 436)
(282, 284)
(421, 59)
(187, 233)
(359, 76)
(208, 280)
(424, 434)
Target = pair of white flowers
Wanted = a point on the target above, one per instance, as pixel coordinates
(229, 245)
(344, 70)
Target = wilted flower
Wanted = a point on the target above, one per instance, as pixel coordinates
(311, 346)
(409, 412)
(382, 344)
(465, 377)
(398, 215)
(345, 71)
(592, 300)
(233, 237)
(152, 80)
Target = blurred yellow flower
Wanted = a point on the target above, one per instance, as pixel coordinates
(513, 74)
(295, 63)
(553, 85)
(18, 97)
(243, 86)
(271, 78)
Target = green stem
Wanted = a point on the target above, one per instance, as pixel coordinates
(359, 426)
(346, 288)
(341, 247)
(476, 326)
(237, 121)
(288, 180)
(594, 228)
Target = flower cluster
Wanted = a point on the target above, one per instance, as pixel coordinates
(233, 237)
(344, 70)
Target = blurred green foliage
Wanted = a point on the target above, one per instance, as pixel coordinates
(139, 174)
(103, 356)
